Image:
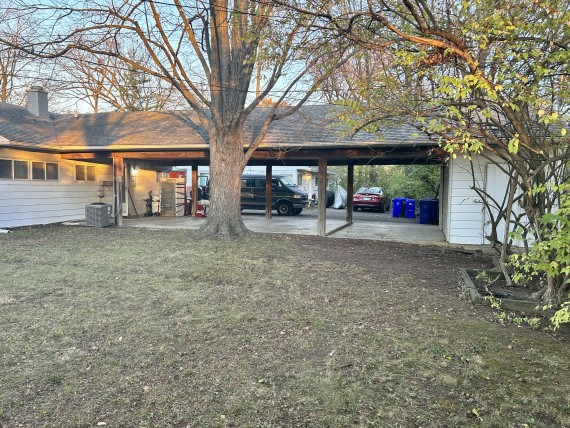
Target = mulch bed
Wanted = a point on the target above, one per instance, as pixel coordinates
(500, 290)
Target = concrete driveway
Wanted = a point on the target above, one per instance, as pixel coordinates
(366, 225)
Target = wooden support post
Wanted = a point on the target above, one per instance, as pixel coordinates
(349, 193)
(322, 198)
(268, 191)
(118, 167)
(194, 195)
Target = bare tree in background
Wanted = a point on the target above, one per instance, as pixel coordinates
(14, 63)
(207, 50)
(104, 82)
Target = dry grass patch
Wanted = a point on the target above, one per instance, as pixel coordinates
(147, 328)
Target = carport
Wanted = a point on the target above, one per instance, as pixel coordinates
(306, 224)
(306, 138)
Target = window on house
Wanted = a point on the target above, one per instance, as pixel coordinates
(85, 173)
(90, 173)
(299, 179)
(5, 168)
(80, 174)
(45, 171)
(52, 171)
(38, 171)
(21, 171)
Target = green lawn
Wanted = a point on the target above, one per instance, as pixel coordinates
(141, 328)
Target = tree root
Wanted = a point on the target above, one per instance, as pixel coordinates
(223, 229)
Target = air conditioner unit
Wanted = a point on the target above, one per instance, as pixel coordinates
(98, 214)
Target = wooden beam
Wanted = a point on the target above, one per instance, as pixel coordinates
(268, 191)
(118, 167)
(299, 156)
(81, 156)
(383, 153)
(198, 154)
(322, 198)
(338, 228)
(194, 195)
(349, 193)
(415, 160)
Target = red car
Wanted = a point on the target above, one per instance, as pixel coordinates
(371, 198)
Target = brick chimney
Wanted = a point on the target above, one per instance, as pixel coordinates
(38, 102)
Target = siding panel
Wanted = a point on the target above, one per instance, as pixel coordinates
(465, 217)
(30, 202)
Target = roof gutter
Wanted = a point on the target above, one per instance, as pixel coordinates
(204, 146)
(130, 147)
(26, 146)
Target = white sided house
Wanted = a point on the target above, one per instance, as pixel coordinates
(39, 186)
(53, 165)
(464, 219)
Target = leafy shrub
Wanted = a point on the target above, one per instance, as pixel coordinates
(548, 260)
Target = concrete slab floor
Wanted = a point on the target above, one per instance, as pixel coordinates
(301, 225)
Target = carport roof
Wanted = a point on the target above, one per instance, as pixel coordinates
(177, 137)
(313, 126)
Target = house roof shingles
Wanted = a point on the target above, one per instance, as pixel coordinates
(137, 129)
(19, 126)
(310, 127)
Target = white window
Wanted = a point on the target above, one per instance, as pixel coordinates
(45, 171)
(300, 179)
(14, 169)
(21, 170)
(90, 173)
(52, 171)
(6, 168)
(85, 173)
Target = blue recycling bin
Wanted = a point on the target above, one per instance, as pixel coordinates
(434, 212)
(398, 207)
(425, 210)
(429, 211)
(410, 208)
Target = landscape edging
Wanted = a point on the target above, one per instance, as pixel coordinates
(511, 304)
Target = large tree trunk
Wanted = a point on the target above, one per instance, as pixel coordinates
(227, 161)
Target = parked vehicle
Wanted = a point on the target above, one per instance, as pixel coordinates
(371, 198)
(330, 198)
(286, 197)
